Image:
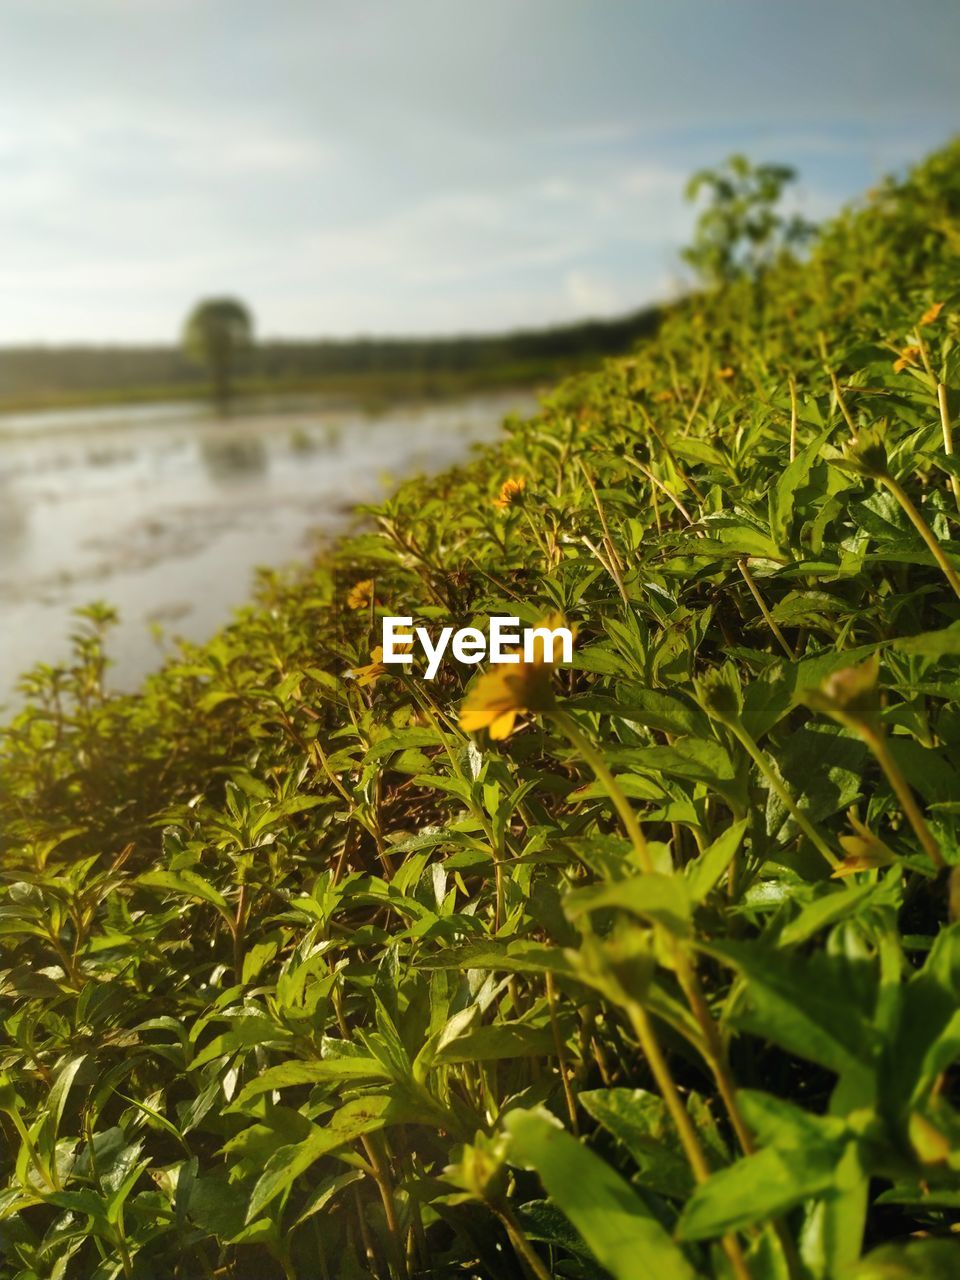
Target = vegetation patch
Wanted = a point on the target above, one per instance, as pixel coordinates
(643, 965)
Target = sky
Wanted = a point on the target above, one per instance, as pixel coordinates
(421, 166)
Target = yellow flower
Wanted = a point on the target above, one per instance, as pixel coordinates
(931, 313)
(864, 850)
(376, 667)
(907, 356)
(661, 397)
(725, 373)
(510, 492)
(360, 595)
(372, 672)
(508, 690)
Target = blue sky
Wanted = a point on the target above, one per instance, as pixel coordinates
(421, 166)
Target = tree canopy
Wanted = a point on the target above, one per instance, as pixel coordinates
(216, 333)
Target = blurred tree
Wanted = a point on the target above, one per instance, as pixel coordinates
(741, 231)
(216, 333)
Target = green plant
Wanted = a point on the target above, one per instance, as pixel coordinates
(741, 230)
(299, 978)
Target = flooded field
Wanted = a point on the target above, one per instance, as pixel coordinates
(164, 512)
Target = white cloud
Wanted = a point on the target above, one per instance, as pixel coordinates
(591, 294)
(414, 166)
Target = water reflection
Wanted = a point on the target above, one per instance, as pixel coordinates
(14, 522)
(165, 515)
(237, 458)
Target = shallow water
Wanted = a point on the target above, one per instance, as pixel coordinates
(164, 512)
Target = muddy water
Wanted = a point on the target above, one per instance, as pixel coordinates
(164, 512)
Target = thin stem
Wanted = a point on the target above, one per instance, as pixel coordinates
(925, 355)
(842, 404)
(237, 932)
(643, 1028)
(924, 530)
(381, 1174)
(663, 488)
(793, 417)
(561, 1054)
(665, 446)
(597, 763)
(610, 568)
(611, 549)
(801, 819)
(638, 1015)
(321, 756)
(714, 1051)
(521, 1244)
(948, 437)
(877, 743)
(767, 615)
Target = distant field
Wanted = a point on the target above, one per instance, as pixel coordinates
(370, 371)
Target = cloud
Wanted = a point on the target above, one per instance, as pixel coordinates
(418, 166)
(591, 294)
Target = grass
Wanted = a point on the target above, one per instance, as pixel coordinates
(301, 979)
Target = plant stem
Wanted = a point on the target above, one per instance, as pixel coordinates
(842, 404)
(561, 1054)
(595, 760)
(640, 1021)
(654, 480)
(611, 549)
(767, 615)
(793, 417)
(924, 530)
(638, 1015)
(521, 1244)
(801, 819)
(948, 437)
(665, 446)
(877, 743)
(381, 1174)
(610, 567)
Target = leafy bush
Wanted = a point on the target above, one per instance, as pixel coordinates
(300, 979)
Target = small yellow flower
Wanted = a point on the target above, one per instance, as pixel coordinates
(376, 667)
(372, 672)
(864, 850)
(661, 397)
(931, 313)
(360, 595)
(725, 373)
(907, 356)
(511, 492)
(508, 690)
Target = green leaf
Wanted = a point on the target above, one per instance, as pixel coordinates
(796, 1002)
(244, 1033)
(187, 883)
(616, 1224)
(322, 1071)
(759, 1187)
(664, 899)
(705, 872)
(641, 1122)
(352, 1121)
(916, 1260)
(489, 1044)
